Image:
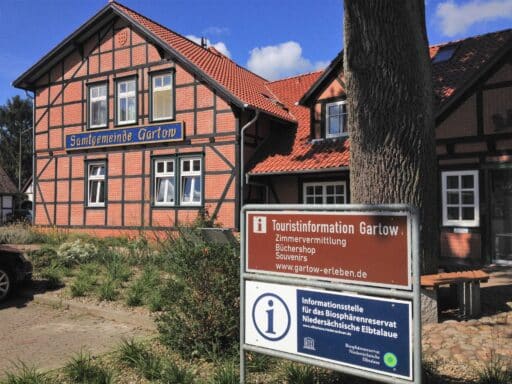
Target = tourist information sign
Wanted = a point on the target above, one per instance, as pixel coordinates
(337, 287)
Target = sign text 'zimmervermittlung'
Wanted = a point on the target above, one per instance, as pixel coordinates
(366, 248)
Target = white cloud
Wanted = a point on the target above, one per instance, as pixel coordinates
(277, 61)
(220, 46)
(216, 31)
(458, 18)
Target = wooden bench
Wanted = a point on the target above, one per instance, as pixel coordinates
(466, 284)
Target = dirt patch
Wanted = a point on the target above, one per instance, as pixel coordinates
(46, 334)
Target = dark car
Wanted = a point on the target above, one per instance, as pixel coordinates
(14, 269)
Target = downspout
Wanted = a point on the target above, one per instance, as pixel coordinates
(242, 163)
(33, 154)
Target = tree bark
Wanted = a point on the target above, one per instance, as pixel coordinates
(390, 111)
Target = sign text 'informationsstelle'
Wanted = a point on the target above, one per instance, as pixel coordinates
(368, 248)
(363, 332)
(125, 136)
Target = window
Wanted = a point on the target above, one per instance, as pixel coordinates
(162, 97)
(98, 106)
(164, 182)
(336, 119)
(126, 102)
(444, 54)
(96, 184)
(190, 180)
(460, 198)
(328, 192)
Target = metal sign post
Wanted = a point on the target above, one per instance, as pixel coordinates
(333, 286)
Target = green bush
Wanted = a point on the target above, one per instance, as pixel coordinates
(78, 252)
(174, 374)
(26, 375)
(43, 257)
(85, 280)
(107, 291)
(53, 274)
(82, 369)
(201, 302)
(143, 290)
(227, 373)
(19, 234)
(136, 356)
(300, 374)
(117, 268)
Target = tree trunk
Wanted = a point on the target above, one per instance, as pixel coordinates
(390, 119)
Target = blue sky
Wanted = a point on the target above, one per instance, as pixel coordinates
(275, 38)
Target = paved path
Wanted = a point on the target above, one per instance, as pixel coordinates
(45, 336)
(461, 347)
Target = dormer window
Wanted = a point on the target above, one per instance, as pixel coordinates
(444, 54)
(336, 119)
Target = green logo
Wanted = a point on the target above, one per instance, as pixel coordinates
(390, 360)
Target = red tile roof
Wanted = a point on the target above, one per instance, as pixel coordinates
(6, 184)
(238, 81)
(470, 58)
(280, 156)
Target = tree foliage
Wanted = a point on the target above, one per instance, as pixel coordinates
(16, 117)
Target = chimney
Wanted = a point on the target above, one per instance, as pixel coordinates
(204, 42)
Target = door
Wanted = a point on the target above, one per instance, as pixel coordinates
(501, 215)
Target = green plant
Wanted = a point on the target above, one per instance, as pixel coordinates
(201, 301)
(19, 234)
(300, 374)
(107, 291)
(142, 291)
(138, 357)
(26, 375)
(258, 362)
(496, 370)
(84, 281)
(227, 373)
(43, 257)
(78, 252)
(53, 275)
(117, 269)
(135, 295)
(83, 369)
(174, 374)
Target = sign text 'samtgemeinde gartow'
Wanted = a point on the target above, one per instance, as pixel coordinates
(366, 248)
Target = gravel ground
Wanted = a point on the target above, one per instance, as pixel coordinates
(46, 335)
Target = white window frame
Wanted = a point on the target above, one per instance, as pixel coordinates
(100, 178)
(126, 95)
(476, 199)
(164, 175)
(327, 121)
(191, 173)
(160, 89)
(98, 99)
(324, 185)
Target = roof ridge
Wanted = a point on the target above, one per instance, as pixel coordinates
(185, 37)
(295, 76)
(470, 38)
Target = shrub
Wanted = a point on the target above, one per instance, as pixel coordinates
(19, 234)
(84, 281)
(495, 371)
(226, 374)
(53, 275)
(77, 252)
(83, 369)
(174, 374)
(135, 355)
(201, 301)
(300, 374)
(43, 257)
(117, 269)
(107, 291)
(26, 375)
(142, 291)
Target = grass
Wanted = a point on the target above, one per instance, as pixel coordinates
(300, 374)
(496, 371)
(24, 374)
(227, 373)
(84, 281)
(84, 370)
(146, 289)
(137, 356)
(53, 274)
(108, 291)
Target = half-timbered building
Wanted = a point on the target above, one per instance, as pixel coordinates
(138, 128)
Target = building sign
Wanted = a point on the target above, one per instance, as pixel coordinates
(370, 248)
(160, 133)
(363, 332)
